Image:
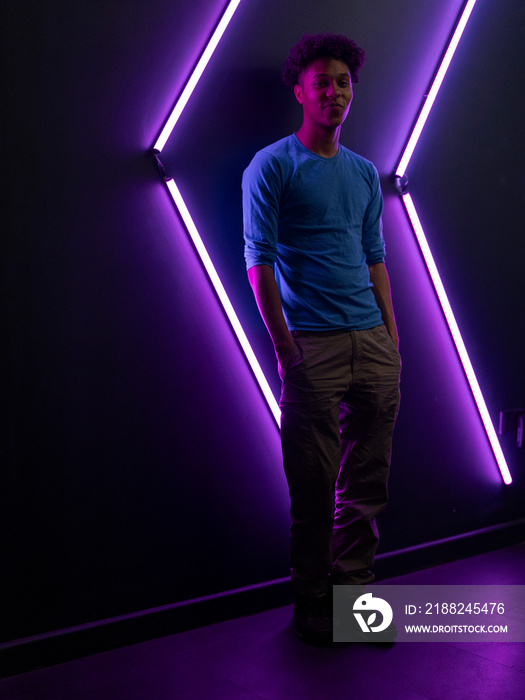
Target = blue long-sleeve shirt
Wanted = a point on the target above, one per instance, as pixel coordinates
(317, 221)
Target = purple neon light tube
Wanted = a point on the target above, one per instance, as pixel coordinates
(409, 205)
(196, 75)
(188, 221)
(427, 254)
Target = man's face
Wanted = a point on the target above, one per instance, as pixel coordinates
(325, 92)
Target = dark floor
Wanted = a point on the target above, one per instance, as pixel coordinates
(259, 657)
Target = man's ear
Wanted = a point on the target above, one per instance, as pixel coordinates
(298, 92)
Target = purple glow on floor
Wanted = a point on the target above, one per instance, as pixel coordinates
(427, 254)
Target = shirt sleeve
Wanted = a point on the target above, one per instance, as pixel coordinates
(261, 192)
(373, 241)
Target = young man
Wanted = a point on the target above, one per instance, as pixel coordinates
(314, 251)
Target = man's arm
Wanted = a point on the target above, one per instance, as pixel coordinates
(268, 300)
(381, 289)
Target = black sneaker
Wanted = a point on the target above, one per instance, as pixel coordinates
(312, 619)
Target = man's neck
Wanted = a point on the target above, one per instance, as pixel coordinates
(323, 142)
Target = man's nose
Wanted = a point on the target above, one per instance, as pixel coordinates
(333, 89)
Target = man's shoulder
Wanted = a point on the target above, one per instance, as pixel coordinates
(278, 149)
(272, 161)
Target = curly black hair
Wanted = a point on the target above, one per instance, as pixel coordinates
(313, 46)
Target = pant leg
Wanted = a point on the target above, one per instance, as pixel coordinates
(315, 379)
(367, 416)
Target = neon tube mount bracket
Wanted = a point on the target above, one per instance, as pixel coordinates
(160, 166)
(401, 183)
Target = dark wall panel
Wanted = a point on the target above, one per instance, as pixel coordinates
(141, 465)
(468, 177)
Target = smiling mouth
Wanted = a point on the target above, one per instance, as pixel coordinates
(332, 105)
